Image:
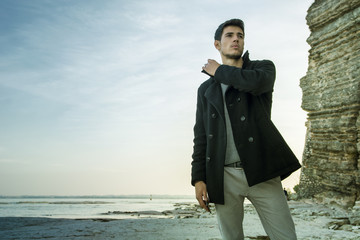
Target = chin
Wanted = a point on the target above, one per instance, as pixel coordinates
(233, 56)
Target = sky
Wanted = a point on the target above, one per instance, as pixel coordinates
(98, 97)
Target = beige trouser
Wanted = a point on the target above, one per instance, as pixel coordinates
(269, 200)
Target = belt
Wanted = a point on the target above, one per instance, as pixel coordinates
(236, 165)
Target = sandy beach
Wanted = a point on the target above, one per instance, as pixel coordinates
(187, 221)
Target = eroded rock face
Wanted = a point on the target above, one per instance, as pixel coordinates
(331, 96)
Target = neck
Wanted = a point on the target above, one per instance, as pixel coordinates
(232, 62)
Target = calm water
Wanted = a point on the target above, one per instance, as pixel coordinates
(85, 207)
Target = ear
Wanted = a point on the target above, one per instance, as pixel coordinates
(217, 44)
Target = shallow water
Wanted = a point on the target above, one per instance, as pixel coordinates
(85, 207)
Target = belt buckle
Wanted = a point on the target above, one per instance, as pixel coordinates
(238, 168)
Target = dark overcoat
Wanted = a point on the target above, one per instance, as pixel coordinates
(262, 150)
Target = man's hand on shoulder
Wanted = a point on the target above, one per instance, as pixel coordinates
(211, 66)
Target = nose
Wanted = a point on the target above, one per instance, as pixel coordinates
(236, 38)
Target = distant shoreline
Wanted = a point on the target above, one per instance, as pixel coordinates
(132, 196)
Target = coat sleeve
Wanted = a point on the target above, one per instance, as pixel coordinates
(198, 170)
(257, 80)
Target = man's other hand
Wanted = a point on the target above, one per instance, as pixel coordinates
(201, 194)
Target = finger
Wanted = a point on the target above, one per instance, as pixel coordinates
(199, 197)
(205, 201)
(207, 207)
(204, 195)
(202, 203)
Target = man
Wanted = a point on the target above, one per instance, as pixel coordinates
(238, 152)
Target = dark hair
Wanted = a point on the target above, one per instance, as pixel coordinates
(232, 22)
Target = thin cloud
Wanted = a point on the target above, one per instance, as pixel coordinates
(119, 78)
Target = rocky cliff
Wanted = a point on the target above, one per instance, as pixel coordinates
(331, 96)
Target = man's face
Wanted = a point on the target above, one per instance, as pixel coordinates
(232, 42)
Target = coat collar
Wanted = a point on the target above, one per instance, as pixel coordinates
(246, 59)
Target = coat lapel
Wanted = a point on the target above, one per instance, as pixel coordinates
(214, 96)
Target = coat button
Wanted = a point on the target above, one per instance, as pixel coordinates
(211, 136)
(251, 139)
(238, 99)
(242, 118)
(231, 105)
(208, 159)
(213, 115)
